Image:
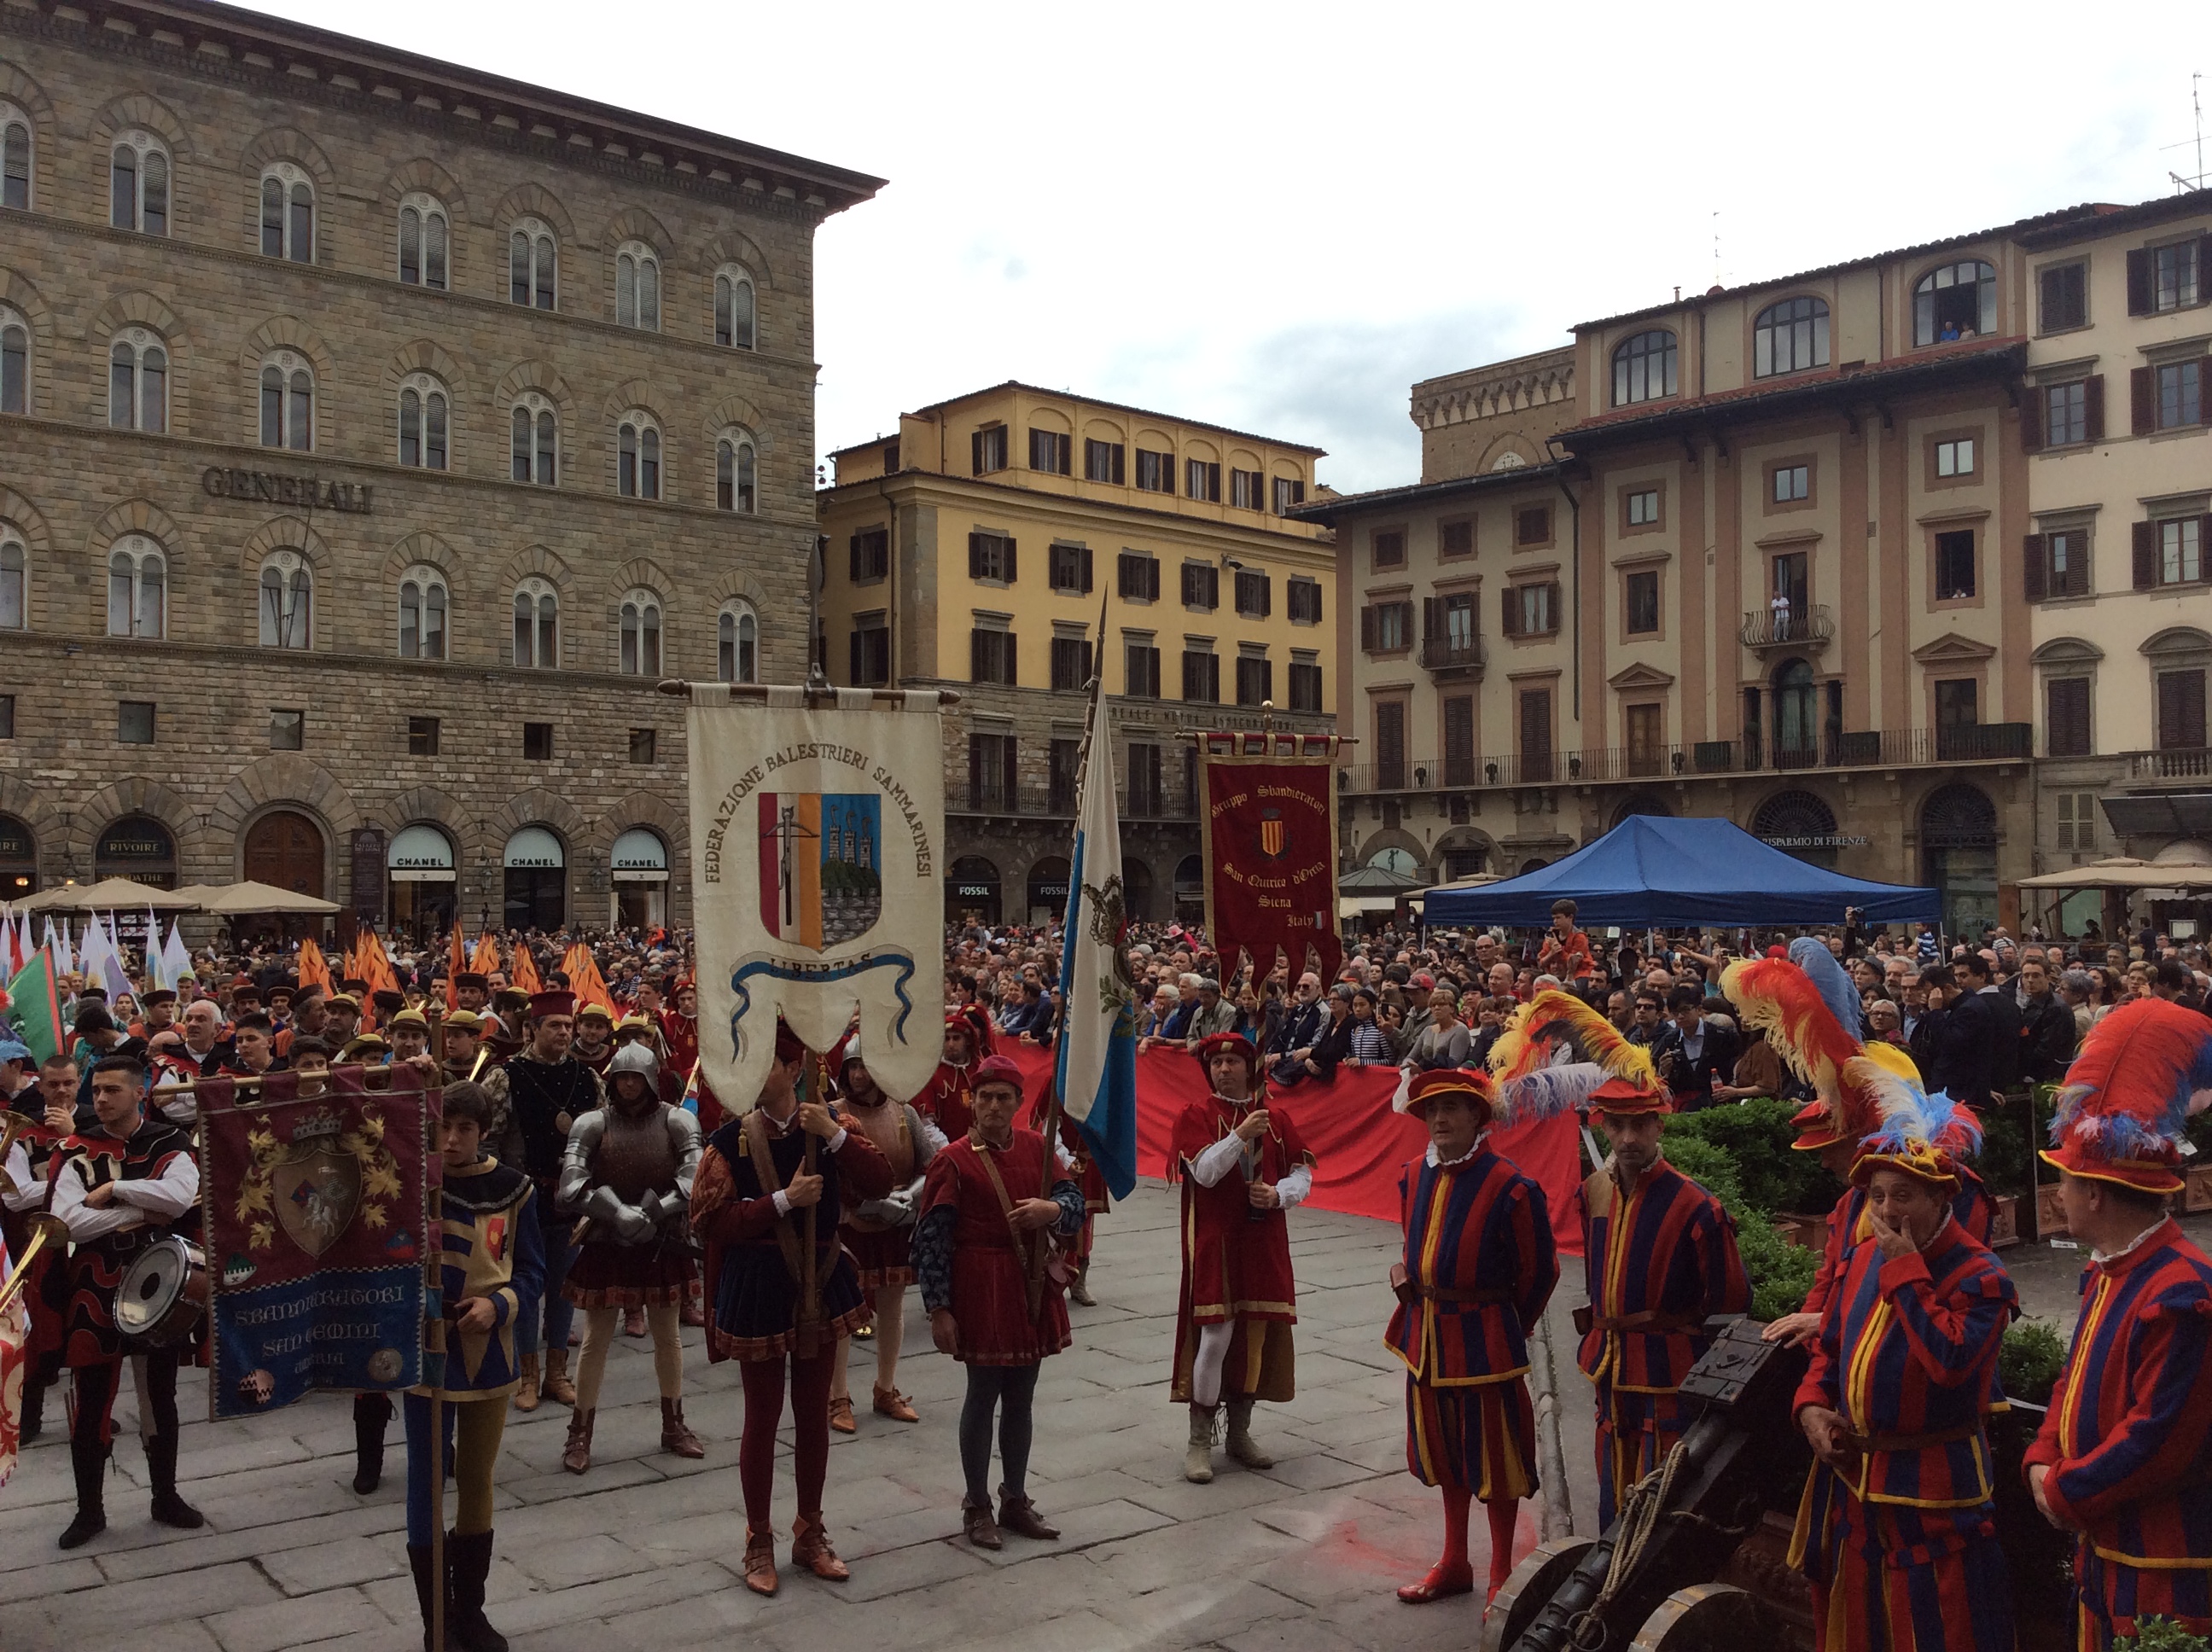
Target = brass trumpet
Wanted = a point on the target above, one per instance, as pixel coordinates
(45, 1230)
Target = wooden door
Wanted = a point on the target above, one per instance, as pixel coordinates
(286, 851)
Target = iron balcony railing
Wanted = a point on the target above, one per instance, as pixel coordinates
(1449, 655)
(1805, 627)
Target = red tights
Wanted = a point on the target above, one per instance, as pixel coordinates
(1504, 1518)
(809, 1430)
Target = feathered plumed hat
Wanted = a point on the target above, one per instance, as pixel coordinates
(1809, 1010)
(1475, 1087)
(1922, 1134)
(2142, 1070)
(1549, 1091)
(1554, 1028)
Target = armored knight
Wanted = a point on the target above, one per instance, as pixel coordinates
(628, 1171)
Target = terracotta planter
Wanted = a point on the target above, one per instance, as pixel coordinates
(1808, 1232)
(2196, 1188)
(2004, 1221)
(2050, 1218)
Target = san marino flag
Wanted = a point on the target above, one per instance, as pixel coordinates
(1097, 1066)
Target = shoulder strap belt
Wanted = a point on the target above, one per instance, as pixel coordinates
(1650, 1321)
(1446, 1294)
(755, 1128)
(988, 1158)
(1870, 1444)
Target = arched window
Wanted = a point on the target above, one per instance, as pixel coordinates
(536, 440)
(288, 403)
(137, 382)
(287, 593)
(637, 287)
(1958, 300)
(137, 580)
(138, 183)
(733, 309)
(14, 362)
(287, 213)
(640, 634)
(14, 581)
(422, 241)
(637, 457)
(423, 423)
(737, 486)
(1644, 368)
(422, 613)
(15, 158)
(736, 645)
(530, 264)
(537, 625)
(1789, 338)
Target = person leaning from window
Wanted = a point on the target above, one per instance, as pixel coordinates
(1445, 1042)
(1330, 1047)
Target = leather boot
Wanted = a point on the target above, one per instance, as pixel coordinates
(169, 1508)
(576, 1455)
(1079, 1291)
(810, 1547)
(88, 1462)
(372, 1413)
(1242, 1446)
(468, 1564)
(676, 1435)
(633, 1321)
(33, 1422)
(760, 1561)
(1020, 1517)
(525, 1392)
(558, 1389)
(977, 1526)
(1198, 1454)
(426, 1581)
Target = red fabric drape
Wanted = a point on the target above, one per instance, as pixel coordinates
(1361, 1143)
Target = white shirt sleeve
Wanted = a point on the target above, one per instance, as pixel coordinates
(168, 1195)
(1294, 1188)
(836, 1141)
(29, 1194)
(1217, 1160)
(782, 1202)
(84, 1222)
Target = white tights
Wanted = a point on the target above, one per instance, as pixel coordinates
(1205, 1367)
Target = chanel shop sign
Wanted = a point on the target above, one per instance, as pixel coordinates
(306, 492)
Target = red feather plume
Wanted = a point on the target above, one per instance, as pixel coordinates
(1775, 994)
(2143, 1069)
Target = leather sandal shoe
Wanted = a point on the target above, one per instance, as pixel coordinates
(978, 1528)
(1440, 1584)
(1020, 1517)
(890, 1403)
(810, 1547)
(633, 1321)
(760, 1561)
(841, 1415)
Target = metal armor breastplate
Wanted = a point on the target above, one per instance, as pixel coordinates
(636, 1157)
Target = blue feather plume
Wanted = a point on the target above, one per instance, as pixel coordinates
(1812, 956)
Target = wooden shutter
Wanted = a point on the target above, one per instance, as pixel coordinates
(1212, 585)
(1009, 765)
(2093, 406)
(2035, 567)
(2066, 717)
(1086, 570)
(1390, 736)
(974, 556)
(1509, 612)
(857, 678)
(2139, 293)
(976, 451)
(2180, 711)
(1152, 578)
(975, 766)
(1428, 619)
(2034, 418)
(2077, 567)
(2146, 550)
(1367, 628)
(2143, 401)
(979, 661)
(1267, 582)
(2203, 365)
(1008, 572)
(1459, 730)
(1266, 679)
(1536, 723)
(1554, 616)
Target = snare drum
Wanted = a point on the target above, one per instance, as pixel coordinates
(163, 1293)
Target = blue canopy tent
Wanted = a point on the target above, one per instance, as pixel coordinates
(1653, 871)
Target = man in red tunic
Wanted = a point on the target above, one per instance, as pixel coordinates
(948, 1100)
(1244, 1165)
(989, 1205)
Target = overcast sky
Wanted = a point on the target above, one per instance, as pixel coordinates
(1277, 218)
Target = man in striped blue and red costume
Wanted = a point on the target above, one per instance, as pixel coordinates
(2124, 1457)
(1897, 1531)
(1480, 1265)
(1660, 1259)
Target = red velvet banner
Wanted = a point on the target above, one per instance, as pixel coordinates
(1269, 826)
(1362, 1145)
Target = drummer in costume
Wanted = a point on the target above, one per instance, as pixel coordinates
(877, 1231)
(1478, 1265)
(537, 1093)
(1659, 1259)
(1897, 1530)
(1244, 1165)
(750, 1207)
(121, 1185)
(2124, 1457)
(989, 1203)
(491, 1274)
(948, 1100)
(1807, 1007)
(629, 1172)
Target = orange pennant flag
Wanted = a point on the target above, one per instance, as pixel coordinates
(486, 958)
(583, 978)
(457, 962)
(314, 968)
(524, 976)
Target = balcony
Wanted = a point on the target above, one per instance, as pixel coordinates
(1808, 627)
(1895, 748)
(1058, 803)
(1451, 656)
(2175, 763)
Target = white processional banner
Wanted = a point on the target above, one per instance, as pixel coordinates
(816, 835)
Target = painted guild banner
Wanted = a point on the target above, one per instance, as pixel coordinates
(1269, 822)
(818, 887)
(318, 1215)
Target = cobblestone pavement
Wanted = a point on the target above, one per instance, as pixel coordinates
(644, 1551)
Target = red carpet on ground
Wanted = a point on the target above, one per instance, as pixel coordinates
(1362, 1145)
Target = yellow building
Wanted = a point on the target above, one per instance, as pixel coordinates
(979, 549)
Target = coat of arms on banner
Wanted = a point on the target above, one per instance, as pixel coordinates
(312, 1184)
(1275, 836)
(816, 825)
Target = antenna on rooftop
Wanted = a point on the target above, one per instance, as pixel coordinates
(1717, 248)
(2183, 185)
